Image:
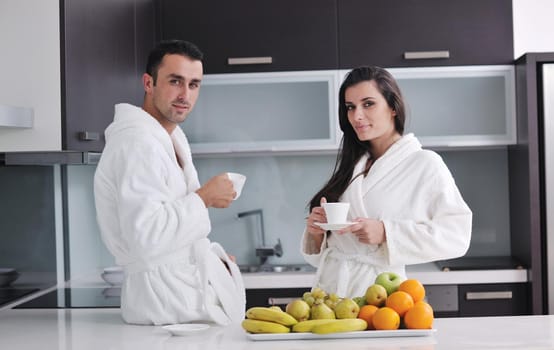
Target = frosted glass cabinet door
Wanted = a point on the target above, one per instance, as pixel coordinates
(260, 112)
(459, 106)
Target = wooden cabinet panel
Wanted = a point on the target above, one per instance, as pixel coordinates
(103, 42)
(297, 35)
(379, 32)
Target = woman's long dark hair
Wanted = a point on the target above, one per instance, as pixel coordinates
(352, 149)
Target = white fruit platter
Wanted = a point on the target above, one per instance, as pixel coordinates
(343, 335)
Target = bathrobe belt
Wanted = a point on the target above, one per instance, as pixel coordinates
(207, 257)
(375, 259)
(171, 258)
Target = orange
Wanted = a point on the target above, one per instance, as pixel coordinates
(419, 317)
(400, 302)
(414, 288)
(425, 304)
(386, 318)
(366, 313)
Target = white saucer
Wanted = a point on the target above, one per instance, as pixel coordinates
(333, 227)
(186, 328)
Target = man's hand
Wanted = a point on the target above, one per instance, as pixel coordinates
(217, 192)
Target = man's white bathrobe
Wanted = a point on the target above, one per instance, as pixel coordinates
(426, 219)
(156, 226)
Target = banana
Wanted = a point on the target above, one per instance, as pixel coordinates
(257, 326)
(271, 315)
(342, 325)
(306, 326)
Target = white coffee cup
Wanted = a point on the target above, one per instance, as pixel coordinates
(238, 181)
(336, 212)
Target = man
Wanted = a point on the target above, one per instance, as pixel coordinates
(151, 209)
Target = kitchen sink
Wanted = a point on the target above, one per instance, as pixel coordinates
(276, 268)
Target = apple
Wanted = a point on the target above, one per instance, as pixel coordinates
(390, 280)
(376, 295)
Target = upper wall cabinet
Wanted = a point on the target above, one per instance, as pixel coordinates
(105, 44)
(265, 112)
(401, 33)
(467, 106)
(463, 106)
(255, 36)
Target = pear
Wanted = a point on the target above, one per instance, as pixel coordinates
(322, 311)
(376, 295)
(299, 309)
(347, 308)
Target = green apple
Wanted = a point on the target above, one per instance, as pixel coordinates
(361, 301)
(347, 308)
(390, 280)
(376, 295)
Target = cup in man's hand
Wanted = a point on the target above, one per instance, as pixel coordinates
(336, 212)
(238, 181)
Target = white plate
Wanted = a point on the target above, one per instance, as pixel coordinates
(345, 335)
(186, 328)
(333, 227)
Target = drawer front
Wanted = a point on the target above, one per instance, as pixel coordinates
(493, 299)
(268, 297)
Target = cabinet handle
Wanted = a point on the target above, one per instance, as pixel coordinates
(425, 55)
(280, 301)
(89, 136)
(489, 295)
(237, 61)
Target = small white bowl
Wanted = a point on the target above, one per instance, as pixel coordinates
(186, 328)
(113, 275)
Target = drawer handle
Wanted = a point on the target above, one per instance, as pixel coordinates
(426, 55)
(249, 60)
(280, 301)
(489, 295)
(89, 136)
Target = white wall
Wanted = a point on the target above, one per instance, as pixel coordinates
(30, 62)
(533, 26)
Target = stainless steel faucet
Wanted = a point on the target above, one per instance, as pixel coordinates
(263, 251)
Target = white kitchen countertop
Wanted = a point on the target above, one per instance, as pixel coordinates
(83, 329)
(428, 274)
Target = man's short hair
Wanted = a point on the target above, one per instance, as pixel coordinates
(170, 47)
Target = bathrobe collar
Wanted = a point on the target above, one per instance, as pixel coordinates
(397, 152)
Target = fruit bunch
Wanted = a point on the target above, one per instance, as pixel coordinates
(388, 304)
(393, 303)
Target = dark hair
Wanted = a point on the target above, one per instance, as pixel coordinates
(352, 149)
(169, 47)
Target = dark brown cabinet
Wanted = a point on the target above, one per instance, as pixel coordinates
(273, 296)
(400, 33)
(527, 182)
(292, 35)
(493, 300)
(477, 300)
(328, 34)
(104, 49)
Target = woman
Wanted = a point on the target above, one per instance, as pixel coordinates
(404, 203)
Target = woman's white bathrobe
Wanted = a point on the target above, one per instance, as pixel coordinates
(426, 219)
(156, 226)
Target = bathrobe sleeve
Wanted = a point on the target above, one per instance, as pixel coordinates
(156, 216)
(311, 253)
(439, 225)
